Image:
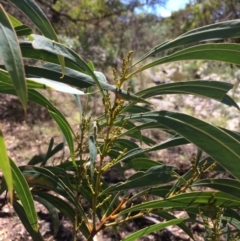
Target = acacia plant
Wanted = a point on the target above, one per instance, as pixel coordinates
(115, 138)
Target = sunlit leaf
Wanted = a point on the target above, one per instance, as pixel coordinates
(20, 28)
(53, 71)
(229, 53)
(15, 22)
(5, 165)
(222, 30)
(23, 30)
(58, 86)
(91, 65)
(93, 153)
(211, 89)
(36, 15)
(12, 58)
(42, 43)
(24, 194)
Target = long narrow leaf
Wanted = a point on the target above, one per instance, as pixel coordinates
(20, 28)
(73, 74)
(42, 43)
(46, 156)
(5, 166)
(138, 152)
(229, 186)
(140, 164)
(43, 177)
(232, 217)
(152, 228)
(53, 71)
(11, 55)
(157, 175)
(67, 132)
(65, 208)
(229, 53)
(35, 234)
(23, 30)
(29, 52)
(39, 83)
(211, 89)
(187, 200)
(42, 158)
(55, 113)
(57, 86)
(59, 49)
(52, 211)
(15, 22)
(182, 225)
(93, 153)
(222, 30)
(62, 205)
(24, 194)
(223, 147)
(55, 150)
(36, 15)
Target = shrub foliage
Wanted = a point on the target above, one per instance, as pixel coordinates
(116, 138)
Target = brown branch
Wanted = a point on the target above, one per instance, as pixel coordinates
(105, 219)
(128, 7)
(77, 20)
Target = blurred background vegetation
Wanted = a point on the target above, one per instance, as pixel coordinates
(103, 31)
